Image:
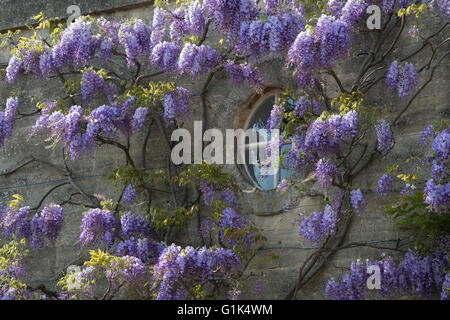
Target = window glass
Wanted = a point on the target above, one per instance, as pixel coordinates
(258, 121)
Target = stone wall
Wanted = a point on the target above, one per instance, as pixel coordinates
(277, 264)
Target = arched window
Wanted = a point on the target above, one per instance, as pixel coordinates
(256, 119)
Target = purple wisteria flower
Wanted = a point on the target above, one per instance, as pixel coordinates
(437, 196)
(235, 230)
(208, 191)
(416, 275)
(275, 119)
(393, 74)
(351, 286)
(271, 35)
(179, 28)
(176, 263)
(165, 54)
(388, 6)
(384, 186)
(105, 51)
(176, 105)
(196, 60)
(195, 18)
(324, 137)
(140, 115)
(229, 197)
(427, 135)
(383, 130)
(318, 225)
(445, 287)
(228, 15)
(283, 186)
(97, 225)
(147, 250)
(26, 57)
(14, 294)
(439, 156)
(134, 225)
(16, 221)
(402, 78)
(245, 72)
(206, 228)
(404, 3)
(130, 270)
(334, 37)
(413, 31)
(353, 11)
(92, 82)
(408, 190)
(7, 118)
(234, 294)
(13, 69)
(407, 80)
(295, 157)
(129, 195)
(158, 26)
(358, 202)
(303, 53)
(441, 145)
(444, 8)
(301, 106)
(76, 46)
(335, 7)
(437, 189)
(135, 39)
(325, 172)
(46, 224)
(79, 132)
(105, 119)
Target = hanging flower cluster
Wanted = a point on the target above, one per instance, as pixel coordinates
(402, 78)
(437, 189)
(357, 200)
(196, 60)
(258, 38)
(324, 137)
(245, 72)
(321, 48)
(35, 228)
(136, 239)
(129, 195)
(384, 185)
(98, 225)
(176, 105)
(416, 275)
(7, 118)
(178, 265)
(318, 225)
(384, 135)
(79, 132)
